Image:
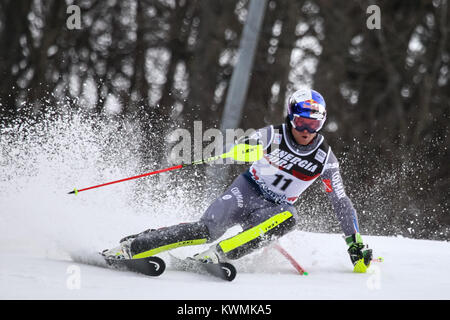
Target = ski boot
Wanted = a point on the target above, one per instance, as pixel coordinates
(123, 251)
(209, 256)
(118, 253)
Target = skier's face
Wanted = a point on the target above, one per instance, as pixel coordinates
(303, 137)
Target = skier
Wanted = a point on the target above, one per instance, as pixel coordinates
(262, 198)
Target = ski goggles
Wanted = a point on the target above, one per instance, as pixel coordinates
(311, 125)
(308, 114)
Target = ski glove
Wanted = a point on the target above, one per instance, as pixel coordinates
(359, 253)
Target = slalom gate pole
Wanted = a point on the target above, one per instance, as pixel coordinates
(294, 263)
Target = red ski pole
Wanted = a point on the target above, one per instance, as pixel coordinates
(240, 152)
(75, 191)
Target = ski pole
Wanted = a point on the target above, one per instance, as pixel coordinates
(240, 152)
(379, 259)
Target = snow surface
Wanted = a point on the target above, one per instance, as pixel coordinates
(413, 269)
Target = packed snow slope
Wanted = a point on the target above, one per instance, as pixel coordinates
(41, 227)
(413, 269)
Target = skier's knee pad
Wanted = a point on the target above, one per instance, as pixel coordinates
(257, 236)
(167, 238)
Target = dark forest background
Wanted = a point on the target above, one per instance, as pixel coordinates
(168, 63)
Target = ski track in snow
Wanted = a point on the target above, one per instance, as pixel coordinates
(413, 269)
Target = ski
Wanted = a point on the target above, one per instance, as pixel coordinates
(150, 266)
(223, 270)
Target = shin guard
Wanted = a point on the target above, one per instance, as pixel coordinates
(256, 237)
(185, 234)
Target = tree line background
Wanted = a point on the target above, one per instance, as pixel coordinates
(168, 63)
